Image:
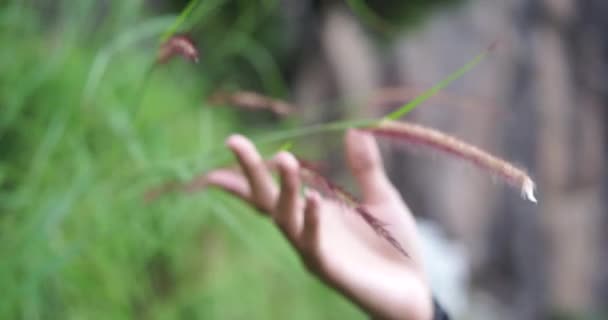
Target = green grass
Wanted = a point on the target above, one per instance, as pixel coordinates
(77, 241)
(86, 129)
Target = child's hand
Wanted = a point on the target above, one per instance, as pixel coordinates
(335, 244)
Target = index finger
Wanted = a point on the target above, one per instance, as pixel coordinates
(264, 192)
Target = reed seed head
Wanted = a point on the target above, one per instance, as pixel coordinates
(449, 145)
(252, 101)
(181, 45)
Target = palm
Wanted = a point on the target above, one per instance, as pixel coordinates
(345, 236)
(334, 241)
(354, 259)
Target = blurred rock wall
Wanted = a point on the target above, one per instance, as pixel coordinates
(538, 101)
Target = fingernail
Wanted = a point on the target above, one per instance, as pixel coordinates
(313, 195)
(287, 161)
(234, 140)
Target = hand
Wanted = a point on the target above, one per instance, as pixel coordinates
(333, 242)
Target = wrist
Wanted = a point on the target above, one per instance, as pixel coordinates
(419, 305)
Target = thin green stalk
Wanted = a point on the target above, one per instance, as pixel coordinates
(436, 88)
(216, 154)
(125, 40)
(180, 20)
(315, 129)
(362, 123)
(342, 125)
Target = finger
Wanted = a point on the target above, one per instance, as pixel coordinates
(310, 231)
(365, 162)
(231, 181)
(288, 213)
(263, 189)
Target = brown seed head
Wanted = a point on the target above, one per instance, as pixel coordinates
(252, 101)
(181, 45)
(439, 141)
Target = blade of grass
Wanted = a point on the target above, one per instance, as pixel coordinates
(342, 125)
(123, 41)
(319, 128)
(442, 84)
(287, 146)
(364, 123)
(180, 20)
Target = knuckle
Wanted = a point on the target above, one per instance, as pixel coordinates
(256, 163)
(289, 188)
(309, 250)
(309, 259)
(306, 249)
(314, 263)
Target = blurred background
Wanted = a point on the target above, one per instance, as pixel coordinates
(89, 123)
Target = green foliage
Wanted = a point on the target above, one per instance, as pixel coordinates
(87, 126)
(77, 241)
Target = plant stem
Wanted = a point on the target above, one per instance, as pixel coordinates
(364, 123)
(436, 88)
(315, 129)
(179, 21)
(342, 125)
(217, 152)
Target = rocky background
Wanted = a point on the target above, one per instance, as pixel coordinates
(538, 101)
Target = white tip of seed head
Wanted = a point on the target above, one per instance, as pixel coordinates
(527, 190)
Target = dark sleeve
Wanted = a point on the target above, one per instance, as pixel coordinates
(438, 312)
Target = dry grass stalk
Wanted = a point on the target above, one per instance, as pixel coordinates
(316, 180)
(198, 183)
(310, 176)
(181, 45)
(420, 135)
(252, 101)
(390, 97)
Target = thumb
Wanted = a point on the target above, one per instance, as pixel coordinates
(365, 163)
